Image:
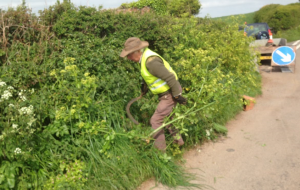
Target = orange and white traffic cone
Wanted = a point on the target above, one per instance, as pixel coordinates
(270, 37)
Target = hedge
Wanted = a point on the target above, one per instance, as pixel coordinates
(64, 89)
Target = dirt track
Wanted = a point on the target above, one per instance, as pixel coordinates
(262, 148)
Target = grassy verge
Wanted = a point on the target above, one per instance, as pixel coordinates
(290, 35)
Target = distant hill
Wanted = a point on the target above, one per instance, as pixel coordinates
(248, 17)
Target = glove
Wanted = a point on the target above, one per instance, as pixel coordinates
(180, 99)
(144, 88)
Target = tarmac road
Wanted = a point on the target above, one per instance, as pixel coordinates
(296, 44)
(262, 148)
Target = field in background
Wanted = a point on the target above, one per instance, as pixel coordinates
(249, 18)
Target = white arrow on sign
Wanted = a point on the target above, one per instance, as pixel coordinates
(286, 58)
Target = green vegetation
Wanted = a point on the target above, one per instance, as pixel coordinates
(279, 17)
(159, 6)
(183, 8)
(64, 88)
(242, 18)
(291, 34)
(176, 8)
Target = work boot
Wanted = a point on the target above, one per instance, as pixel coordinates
(180, 142)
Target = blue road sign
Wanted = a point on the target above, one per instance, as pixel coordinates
(283, 55)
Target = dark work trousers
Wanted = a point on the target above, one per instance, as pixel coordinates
(163, 110)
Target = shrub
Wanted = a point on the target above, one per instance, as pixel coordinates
(265, 13)
(159, 6)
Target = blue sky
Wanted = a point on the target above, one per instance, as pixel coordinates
(213, 8)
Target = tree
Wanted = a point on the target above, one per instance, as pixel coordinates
(183, 8)
(159, 6)
(177, 8)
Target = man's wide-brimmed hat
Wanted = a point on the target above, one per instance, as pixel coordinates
(133, 44)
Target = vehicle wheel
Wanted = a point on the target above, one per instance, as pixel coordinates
(262, 35)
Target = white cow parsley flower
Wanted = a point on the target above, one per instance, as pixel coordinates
(14, 126)
(26, 110)
(10, 88)
(6, 94)
(18, 151)
(2, 83)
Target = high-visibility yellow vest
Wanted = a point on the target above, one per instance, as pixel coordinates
(156, 85)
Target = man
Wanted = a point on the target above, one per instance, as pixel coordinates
(161, 80)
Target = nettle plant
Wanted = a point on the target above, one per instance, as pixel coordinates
(17, 120)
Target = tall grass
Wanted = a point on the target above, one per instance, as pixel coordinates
(127, 164)
(129, 160)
